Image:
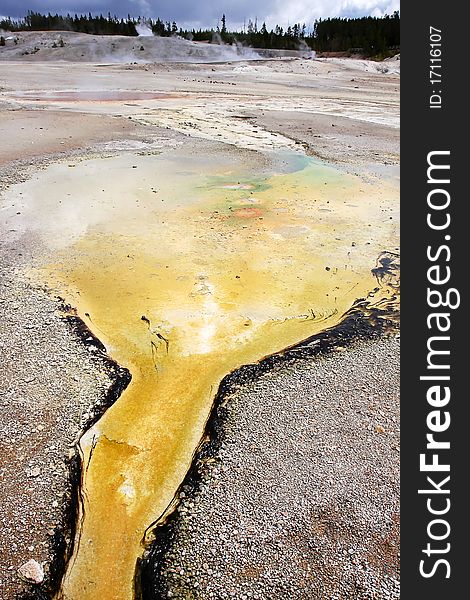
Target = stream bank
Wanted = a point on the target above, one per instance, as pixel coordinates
(295, 492)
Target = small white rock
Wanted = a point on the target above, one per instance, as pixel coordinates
(35, 471)
(32, 571)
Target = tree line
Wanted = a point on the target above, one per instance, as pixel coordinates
(97, 25)
(370, 36)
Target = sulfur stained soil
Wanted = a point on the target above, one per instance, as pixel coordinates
(57, 122)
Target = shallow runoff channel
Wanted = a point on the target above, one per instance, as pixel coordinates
(186, 268)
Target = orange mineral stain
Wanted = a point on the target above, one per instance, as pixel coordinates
(248, 213)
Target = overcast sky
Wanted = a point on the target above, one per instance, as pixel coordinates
(206, 13)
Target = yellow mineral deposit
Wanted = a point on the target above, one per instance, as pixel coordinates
(185, 278)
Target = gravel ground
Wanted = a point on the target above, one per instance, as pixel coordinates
(52, 385)
(302, 499)
(334, 138)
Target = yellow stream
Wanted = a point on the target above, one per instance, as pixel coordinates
(225, 268)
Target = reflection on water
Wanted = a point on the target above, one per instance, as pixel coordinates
(189, 268)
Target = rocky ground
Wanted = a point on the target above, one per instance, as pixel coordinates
(301, 500)
(335, 138)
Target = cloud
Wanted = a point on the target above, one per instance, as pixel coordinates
(188, 13)
(302, 11)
